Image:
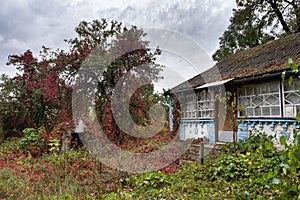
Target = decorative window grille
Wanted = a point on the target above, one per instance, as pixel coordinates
(291, 98)
(189, 111)
(205, 104)
(260, 99)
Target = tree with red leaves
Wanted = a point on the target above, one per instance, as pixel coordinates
(42, 91)
(42, 95)
(118, 52)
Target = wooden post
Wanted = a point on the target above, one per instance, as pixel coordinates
(201, 153)
(171, 112)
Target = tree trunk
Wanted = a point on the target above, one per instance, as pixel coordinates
(274, 5)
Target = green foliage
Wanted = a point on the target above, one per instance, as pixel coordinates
(30, 136)
(256, 153)
(293, 72)
(13, 115)
(68, 175)
(254, 21)
(288, 179)
(250, 169)
(54, 145)
(38, 142)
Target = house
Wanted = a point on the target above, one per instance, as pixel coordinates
(266, 102)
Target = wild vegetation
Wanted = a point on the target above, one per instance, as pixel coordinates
(36, 113)
(252, 168)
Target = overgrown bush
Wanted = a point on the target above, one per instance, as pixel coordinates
(38, 142)
(249, 169)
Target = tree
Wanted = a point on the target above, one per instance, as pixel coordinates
(42, 93)
(117, 52)
(40, 96)
(254, 22)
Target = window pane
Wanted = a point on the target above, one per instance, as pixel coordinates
(245, 101)
(242, 92)
(250, 112)
(274, 87)
(261, 99)
(257, 111)
(243, 112)
(293, 86)
(257, 90)
(288, 87)
(292, 98)
(266, 111)
(272, 100)
(205, 104)
(249, 91)
(211, 105)
(264, 89)
(275, 110)
(257, 101)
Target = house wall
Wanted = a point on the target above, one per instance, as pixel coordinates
(272, 127)
(197, 129)
(272, 104)
(206, 129)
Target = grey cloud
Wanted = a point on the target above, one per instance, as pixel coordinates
(33, 23)
(196, 20)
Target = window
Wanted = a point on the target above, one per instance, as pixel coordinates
(291, 98)
(205, 104)
(189, 111)
(260, 100)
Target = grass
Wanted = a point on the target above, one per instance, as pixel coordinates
(248, 170)
(73, 174)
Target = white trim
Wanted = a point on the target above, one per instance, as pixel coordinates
(263, 98)
(290, 107)
(207, 85)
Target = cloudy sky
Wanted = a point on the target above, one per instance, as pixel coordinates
(29, 24)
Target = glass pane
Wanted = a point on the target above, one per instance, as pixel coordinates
(292, 98)
(257, 111)
(191, 107)
(266, 111)
(264, 89)
(274, 87)
(293, 86)
(201, 106)
(250, 112)
(272, 100)
(211, 105)
(257, 90)
(275, 111)
(288, 87)
(245, 101)
(242, 92)
(249, 90)
(257, 101)
(243, 112)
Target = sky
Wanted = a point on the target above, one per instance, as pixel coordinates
(29, 24)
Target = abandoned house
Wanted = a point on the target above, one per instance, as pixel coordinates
(259, 100)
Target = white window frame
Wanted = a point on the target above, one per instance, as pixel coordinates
(189, 111)
(208, 112)
(263, 98)
(290, 110)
